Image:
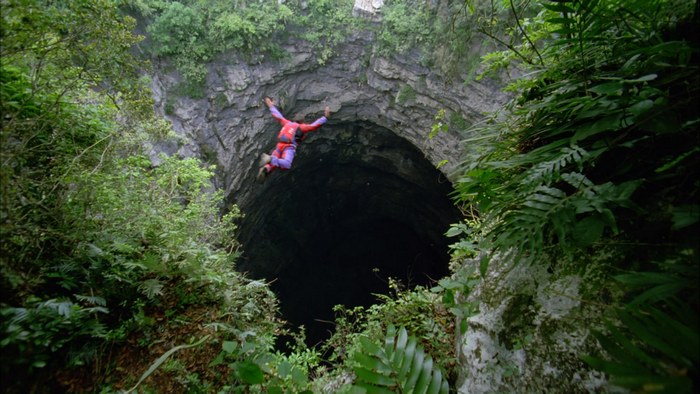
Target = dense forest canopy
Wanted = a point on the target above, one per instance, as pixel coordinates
(107, 255)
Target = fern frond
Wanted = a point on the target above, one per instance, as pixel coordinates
(401, 366)
(94, 300)
(640, 351)
(548, 171)
(151, 287)
(548, 215)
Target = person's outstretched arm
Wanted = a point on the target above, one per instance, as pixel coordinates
(275, 112)
(317, 123)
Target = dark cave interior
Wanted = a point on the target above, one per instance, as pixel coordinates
(360, 205)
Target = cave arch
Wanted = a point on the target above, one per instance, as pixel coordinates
(360, 205)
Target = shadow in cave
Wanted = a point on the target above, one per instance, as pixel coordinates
(360, 205)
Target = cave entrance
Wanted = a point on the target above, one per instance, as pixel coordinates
(359, 206)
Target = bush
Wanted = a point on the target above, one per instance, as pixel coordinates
(94, 235)
(581, 163)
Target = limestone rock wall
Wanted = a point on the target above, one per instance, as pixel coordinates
(231, 125)
(531, 328)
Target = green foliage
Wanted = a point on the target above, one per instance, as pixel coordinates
(325, 24)
(255, 365)
(440, 126)
(401, 366)
(104, 234)
(62, 46)
(162, 359)
(444, 35)
(518, 26)
(418, 310)
(465, 246)
(655, 347)
(94, 233)
(454, 291)
(555, 160)
(655, 351)
(405, 26)
(33, 332)
(597, 152)
(192, 33)
(405, 95)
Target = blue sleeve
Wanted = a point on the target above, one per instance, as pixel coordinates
(278, 115)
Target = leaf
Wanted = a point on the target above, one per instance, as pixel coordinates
(685, 335)
(611, 122)
(401, 342)
(612, 367)
(151, 287)
(370, 347)
(642, 328)
(450, 284)
(641, 107)
(658, 293)
(162, 359)
(390, 343)
(249, 372)
(562, 21)
(371, 363)
(667, 166)
(685, 215)
(454, 231)
(435, 383)
(95, 300)
(370, 376)
(417, 367)
(608, 88)
(642, 279)
(630, 62)
(229, 346)
(484, 265)
(409, 354)
(39, 364)
(588, 230)
(425, 376)
(646, 78)
(448, 297)
(284, 369)
(275, 390)
(218, 360)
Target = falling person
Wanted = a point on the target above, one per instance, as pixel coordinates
(289, 137)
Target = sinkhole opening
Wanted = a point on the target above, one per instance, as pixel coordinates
(360, 205)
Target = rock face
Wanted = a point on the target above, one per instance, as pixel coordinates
(369, 9)
(231, 126)
(531, 328)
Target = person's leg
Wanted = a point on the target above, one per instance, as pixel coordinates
(275, 155)
(285, 160)
(265, 164)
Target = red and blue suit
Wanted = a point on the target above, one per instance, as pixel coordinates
(289, 137)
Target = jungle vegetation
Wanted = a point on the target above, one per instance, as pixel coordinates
(109, 255)
(595, 160)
